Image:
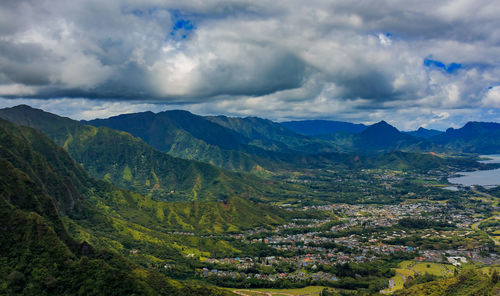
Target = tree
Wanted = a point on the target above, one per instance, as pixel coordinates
(495, 277)
(16, 280)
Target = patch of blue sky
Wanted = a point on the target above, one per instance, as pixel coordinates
(450, 68)
(181, 28)
(494, 85)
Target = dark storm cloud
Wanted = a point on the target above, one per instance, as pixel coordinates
(421, 61)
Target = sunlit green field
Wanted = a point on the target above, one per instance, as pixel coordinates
(411, 268)
(311, 290)
(489, 269)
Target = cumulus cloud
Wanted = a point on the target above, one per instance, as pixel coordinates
(422, 63)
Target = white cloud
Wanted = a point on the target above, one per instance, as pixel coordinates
(277, 59)
(384, 39)
(492, 98)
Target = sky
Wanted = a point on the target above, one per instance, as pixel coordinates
(434, 64)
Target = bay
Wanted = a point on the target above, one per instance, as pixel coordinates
(487, 178)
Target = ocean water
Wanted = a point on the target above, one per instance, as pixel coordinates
(488, 178)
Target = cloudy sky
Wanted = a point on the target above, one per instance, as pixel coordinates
(411, 63)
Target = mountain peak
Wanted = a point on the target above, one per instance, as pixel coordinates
(382, 135)
(381, 127)
(424, 133)
(481, 125)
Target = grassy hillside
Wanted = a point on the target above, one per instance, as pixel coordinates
(42, 191)
(130, 163)
(65, 180)
(467, 283)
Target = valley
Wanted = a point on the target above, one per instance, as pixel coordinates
(251, 206)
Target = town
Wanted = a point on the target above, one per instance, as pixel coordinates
(358, 234)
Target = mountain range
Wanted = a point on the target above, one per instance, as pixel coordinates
(62, 231)
(322, 127)
(131, 163)
(254, 145)
(265, 140)
(76, 197)
(424, 133)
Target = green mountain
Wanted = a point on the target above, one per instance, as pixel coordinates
(188, 136)
(130, 163)
(251, 143)
(43, 194)
(239, 144)
(272, 136)
(135, 165)
(262, 144)
(473, 137)
(383, 136)
(380, 138)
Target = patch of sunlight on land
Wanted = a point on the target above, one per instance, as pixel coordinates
(433, 268)
(310, 290)
(489, 269)
(412, 268)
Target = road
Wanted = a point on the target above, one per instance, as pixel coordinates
(475, 226)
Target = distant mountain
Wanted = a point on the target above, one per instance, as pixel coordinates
(272, 136)
(382, 136)
(382, 132)
(322, 127)
(378, 138)
(130, 163)
(185, 135)
(473, 137)
(424, 133)
(161, 130)
(239, 144)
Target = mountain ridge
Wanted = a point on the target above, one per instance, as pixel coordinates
(130, 163)
(322, 127)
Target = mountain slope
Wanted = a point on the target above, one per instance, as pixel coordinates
(473, 137)
(71, 182)
(424, 133)
(38, 255)
(130, 163)
(185, 135)
(272, 136)
(250, 144)
(379, 138)
(383, 136)
(322, 127)
(467, 283)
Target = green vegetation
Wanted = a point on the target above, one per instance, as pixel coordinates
(310, 290)
(130, 163)
(91, 210)
(468, 282)
(43, 192)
